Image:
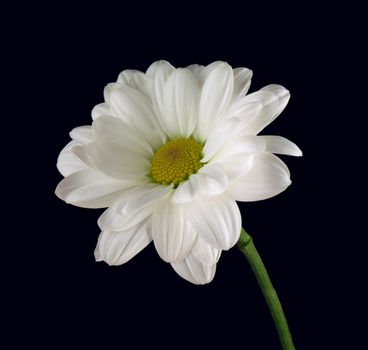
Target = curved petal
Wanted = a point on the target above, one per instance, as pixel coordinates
(113, 220)
(274, 98)
(129, 193)
(216, 220)
(205, 253)
(129, 104)
(86, 187)
(101, 109)
(243, 144)
(213, 180)
(215, 99)
(113, 132)
(181, 101)
(242, 79)
(80, 152)
(209, 181)
(67, 162)
(218, 138)
(135, 109)
(158, 72)
(283, 95)
(268, 177)
(160, 67)
(136, 80)
(144, 195)
(246, 111)
(116, 248)
(236, 157)
(196, 69)
(107, 92)
(236, 165)
(192, 270)
(207, 70)
(83, 134)
(187, 191)
(281, 145)
(117, 152)
(123, 166)
(172, 235)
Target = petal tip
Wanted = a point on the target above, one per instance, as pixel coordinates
(299, 152)
(97, 255)
(59, 193)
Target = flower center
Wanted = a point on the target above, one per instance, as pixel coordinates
(175, 161)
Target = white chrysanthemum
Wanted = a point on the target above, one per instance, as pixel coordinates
(169, 152)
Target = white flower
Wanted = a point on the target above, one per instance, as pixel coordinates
(169, 152)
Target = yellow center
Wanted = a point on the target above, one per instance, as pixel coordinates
(175, 161)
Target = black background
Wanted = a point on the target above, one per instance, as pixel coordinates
(60, 60)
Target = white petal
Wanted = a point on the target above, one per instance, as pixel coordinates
(274, 98)
(216, 220)
(242, 79)
(282, 94)
(160, 67)
(236, 165)
(218, 138)
(119, 151)
(127, 195)
(268, 177)
(101, 202)
(236, 156)
(187, 191)
(83, 134)
(80, 152)
(107, 92)
(123, 166)
(145, 195)
(196, 69)
(215, 99)
(113, 220)
(172, 235)
(159, 72)
(181, 100)
(192, 270)
(243, 144)
(246, 111)
(129, 104)
(205, 253)
(118, 247)
(209, 181)
(101, 109)
(136, 80)
(213, 180)
(281, 145)
(113, 131)
(137, 110)
(67, 162)
(86, 187)
(207, 70)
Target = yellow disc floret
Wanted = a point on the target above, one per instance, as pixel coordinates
(175, 161)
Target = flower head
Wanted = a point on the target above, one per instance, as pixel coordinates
(169, 152)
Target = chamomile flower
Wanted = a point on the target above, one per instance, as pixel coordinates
(169, 153)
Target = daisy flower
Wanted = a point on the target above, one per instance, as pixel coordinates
(169, 153)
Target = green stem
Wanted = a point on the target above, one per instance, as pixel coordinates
(246, 246)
